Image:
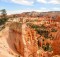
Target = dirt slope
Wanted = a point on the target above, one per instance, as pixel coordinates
(5, 50)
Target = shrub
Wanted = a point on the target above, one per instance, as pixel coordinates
(2, 21)
(53, 30)
(47, 47)
(40, 29)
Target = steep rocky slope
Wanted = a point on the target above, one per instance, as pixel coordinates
(18, 39)
(12, 43)
(56, 44)
(5, 50)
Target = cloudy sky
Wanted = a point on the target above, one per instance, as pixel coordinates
(18, 6)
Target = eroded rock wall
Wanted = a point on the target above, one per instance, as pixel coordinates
(56, 44)
(23, 40)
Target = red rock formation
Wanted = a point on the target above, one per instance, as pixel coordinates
(56, 44)
(31, 41)
(15, 38)
(24, 43)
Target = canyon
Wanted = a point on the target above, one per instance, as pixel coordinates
(30, 37)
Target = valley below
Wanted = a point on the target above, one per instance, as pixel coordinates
(31, 34)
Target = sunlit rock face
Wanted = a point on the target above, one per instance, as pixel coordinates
(15, 42)
(15, 38)
(56, 44)
(23, 41)
(31, 43)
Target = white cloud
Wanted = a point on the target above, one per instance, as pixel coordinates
(42, 1)
(27, 10)
(49, 1)
(31, 2)
(42, 9)
(12, 12)
(55, 1)
(23, 2)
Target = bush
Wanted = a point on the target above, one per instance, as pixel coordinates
(2, 21)
(40, 29)
(53, 30)
(47, 47)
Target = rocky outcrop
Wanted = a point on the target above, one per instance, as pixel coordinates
(56, 44)
(23, 40)
(5, 50)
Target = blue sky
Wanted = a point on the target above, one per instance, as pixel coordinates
(18, 6)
